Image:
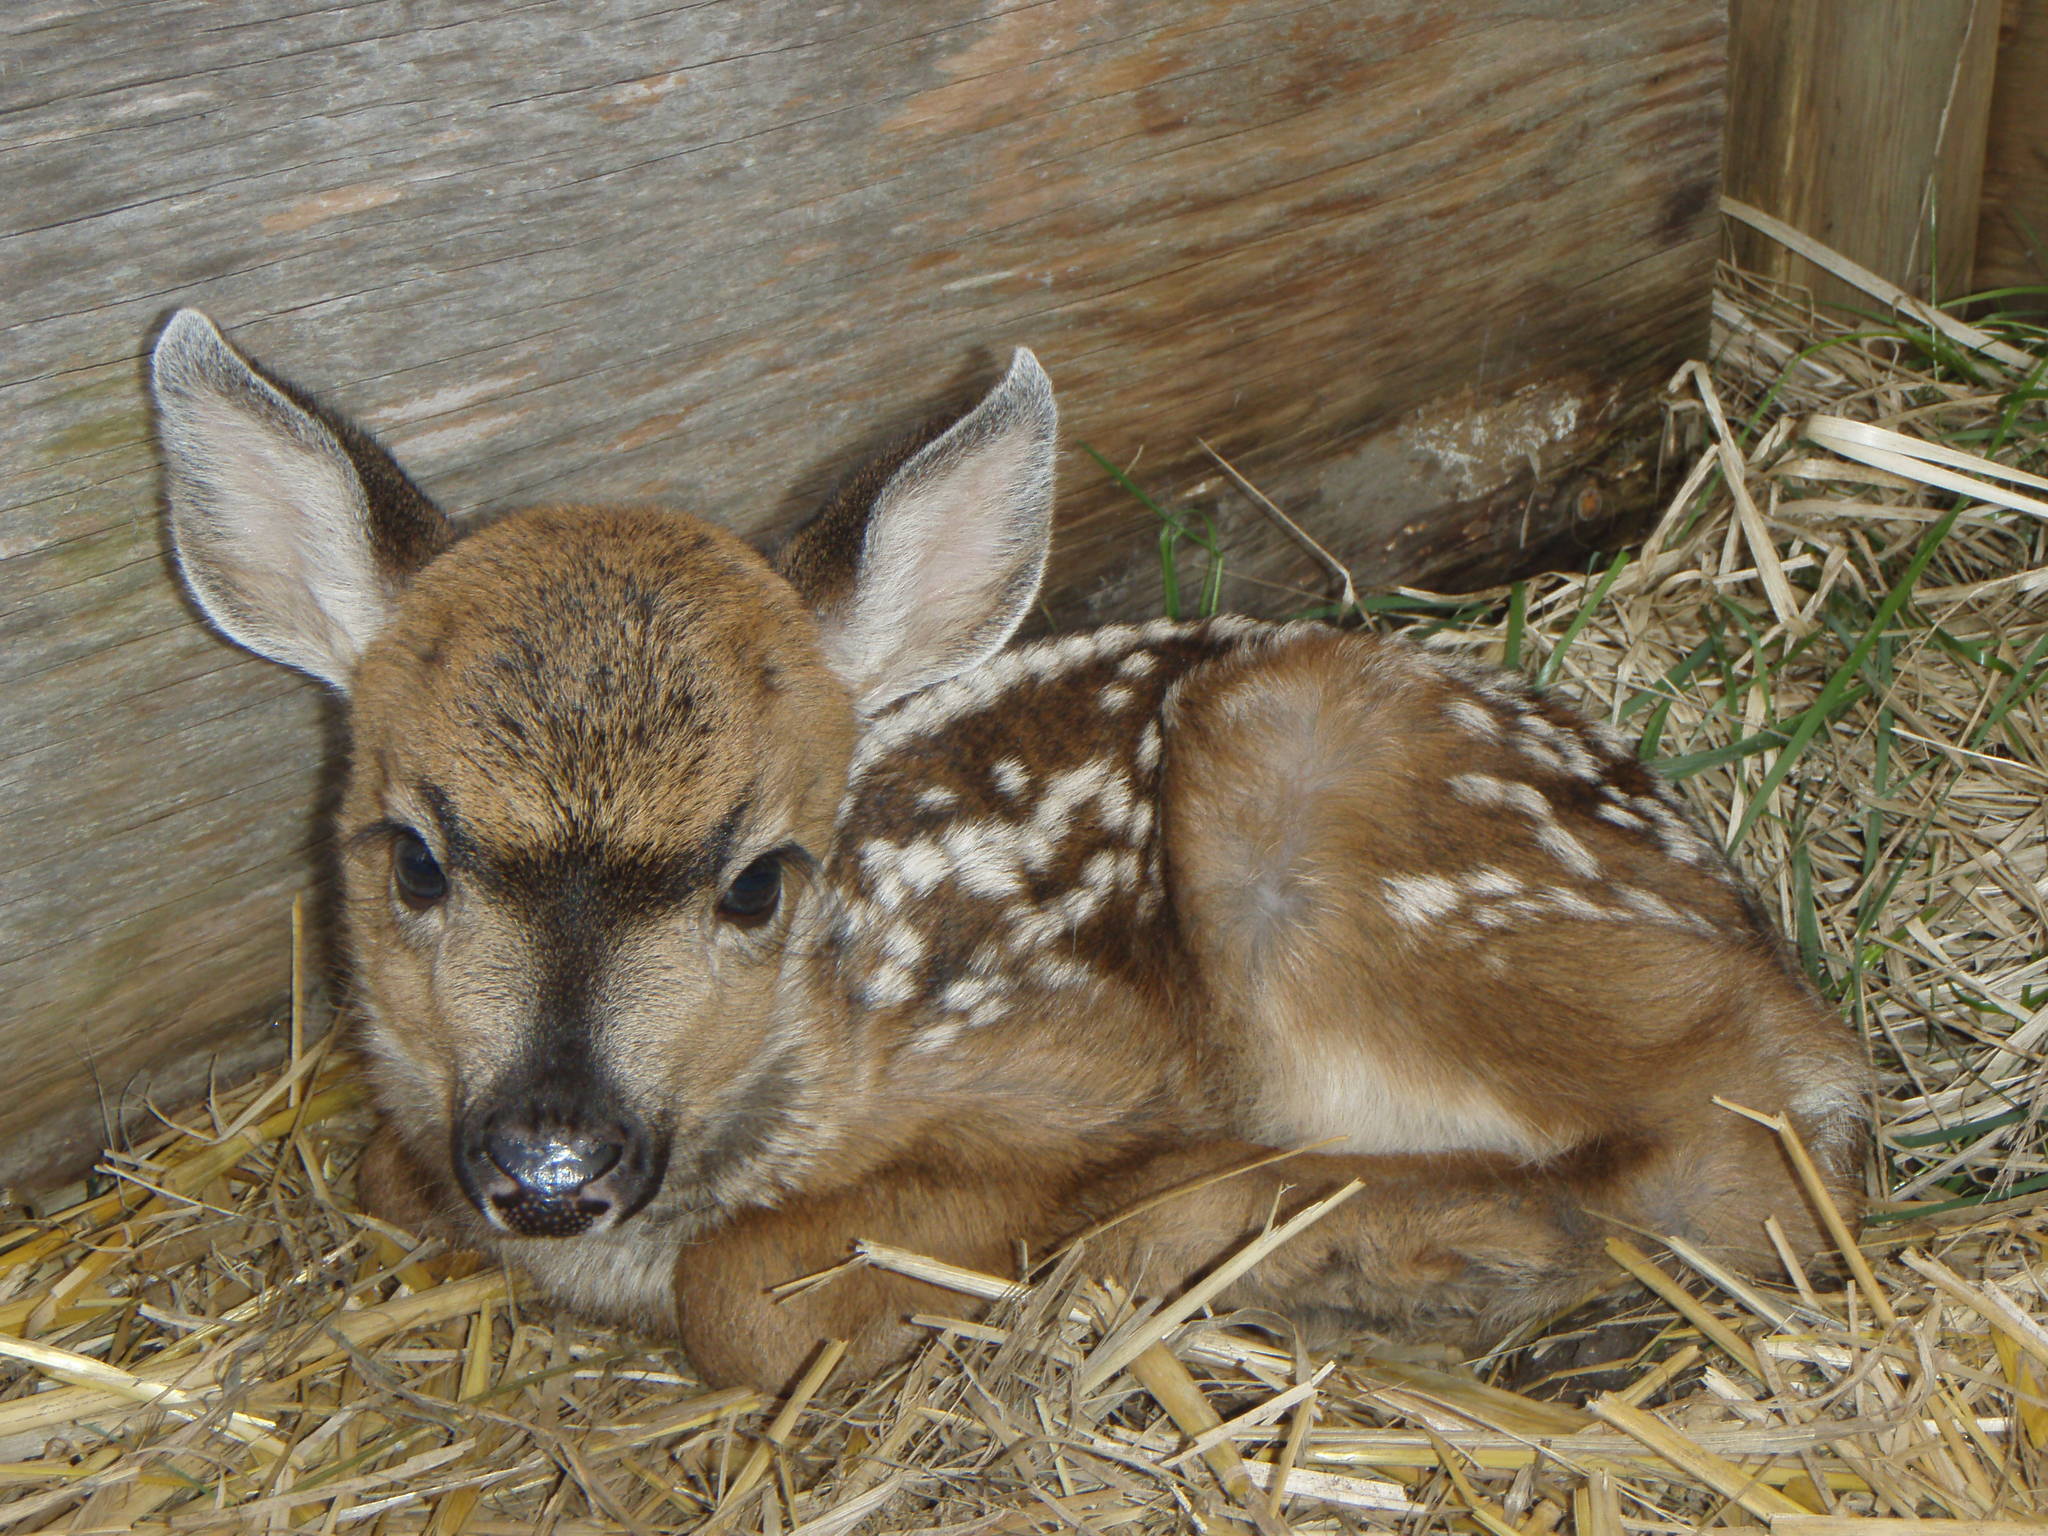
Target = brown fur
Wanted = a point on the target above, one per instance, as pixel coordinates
(1086, 922)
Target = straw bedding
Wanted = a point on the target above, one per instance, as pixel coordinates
(1835, 637)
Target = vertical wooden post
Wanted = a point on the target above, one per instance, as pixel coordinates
(2012, 236)
(1862, 123)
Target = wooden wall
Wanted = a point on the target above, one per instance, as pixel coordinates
(2012, 233)
(1862, 124)
(1909, 135)
(1413, 264)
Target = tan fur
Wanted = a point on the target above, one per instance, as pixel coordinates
(1077, 924)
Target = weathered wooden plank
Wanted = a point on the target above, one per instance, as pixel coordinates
(1391, 256)
(2012, 236)
(1862, 123)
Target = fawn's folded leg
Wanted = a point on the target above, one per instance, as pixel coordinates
(1445, 1246)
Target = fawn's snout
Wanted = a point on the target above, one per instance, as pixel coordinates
(542, 1162)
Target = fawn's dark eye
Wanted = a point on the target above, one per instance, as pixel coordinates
(755, 892)
(418, 875)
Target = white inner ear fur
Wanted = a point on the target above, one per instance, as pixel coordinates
(268, 515)
(286, 532)
(955, 548)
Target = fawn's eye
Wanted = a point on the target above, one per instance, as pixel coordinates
(755, 892)
(418, 875)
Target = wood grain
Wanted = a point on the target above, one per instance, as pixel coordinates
(1411, 265)
(2012, 235)
(1862, 123)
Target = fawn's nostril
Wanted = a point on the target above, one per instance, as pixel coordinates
(541, 1164)
(553, 1167)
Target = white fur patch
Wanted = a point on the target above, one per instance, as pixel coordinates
(1139, 820)
(1827, 1094)
(1067, 791)
(969, 993)
(1419, 899)
(1567, 850)
(1150, 745)
(1557, 747)
(1371, 1104)
(1486, 790)
(1674, 834)
(904, 945)
(1491, 882)
(1058, 974)
(1033, 928)
(886, 987)
(935, 1037)
(1568, 903)
(1475, 719)
(1620, 816)
(986, 857)
(1654, 907)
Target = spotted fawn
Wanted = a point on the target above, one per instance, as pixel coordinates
(709, 911)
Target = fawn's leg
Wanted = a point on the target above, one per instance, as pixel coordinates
(392, 1186)
(735, 1332)
(1453, 1246)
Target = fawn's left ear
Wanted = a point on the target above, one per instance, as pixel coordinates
(947, 561)
(293, 529)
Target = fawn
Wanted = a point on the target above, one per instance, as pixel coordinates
(710, 911)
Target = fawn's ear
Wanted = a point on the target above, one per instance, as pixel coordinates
(934, 571)
(294, 531)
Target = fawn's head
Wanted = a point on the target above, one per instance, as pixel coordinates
(596, 759)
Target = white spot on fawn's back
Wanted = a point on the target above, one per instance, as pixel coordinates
(1567, 850)
(1475, 719)
(1419, 899)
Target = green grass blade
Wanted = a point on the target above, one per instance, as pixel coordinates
(1555, 660)
(2031, 673)
(1943, 1207)
(1171, 531)
(1169, 570)
(1674, 678)
(1956, 1135)
(1835, 693)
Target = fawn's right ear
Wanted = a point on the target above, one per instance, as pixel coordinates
(295, 531)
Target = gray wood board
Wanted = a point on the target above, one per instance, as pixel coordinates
(1391, 257)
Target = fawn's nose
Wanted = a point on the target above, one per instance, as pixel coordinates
(539, 1172)
(552, 1167)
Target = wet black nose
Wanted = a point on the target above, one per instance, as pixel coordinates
(552, 1167)
(543, 1170)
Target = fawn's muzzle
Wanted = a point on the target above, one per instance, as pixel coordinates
(543, 1170)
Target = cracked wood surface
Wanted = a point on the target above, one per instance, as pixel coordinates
(1390, 256)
